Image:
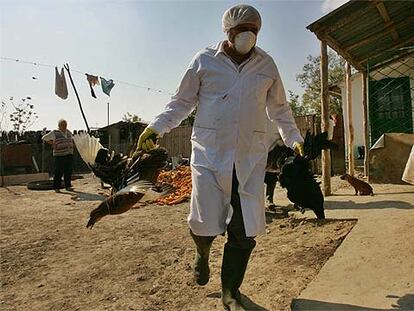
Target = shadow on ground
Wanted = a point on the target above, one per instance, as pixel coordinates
(84, 196)
(405, 302)
(375, 193)
(246, 301)
(271, 216)
(369, 205)
(276, 214)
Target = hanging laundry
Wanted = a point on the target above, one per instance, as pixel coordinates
(107, 85)
(93, 80)
(61, 89)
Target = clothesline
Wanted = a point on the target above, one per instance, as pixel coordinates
(80, 72)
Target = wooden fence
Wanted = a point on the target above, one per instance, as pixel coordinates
(178, 142)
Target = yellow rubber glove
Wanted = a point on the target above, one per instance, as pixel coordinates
(146, 140)
(298, 147)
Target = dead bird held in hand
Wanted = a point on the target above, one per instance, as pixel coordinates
(360, 186)
(131, 177)
(133, 183)
(124, 200)
(302, 188)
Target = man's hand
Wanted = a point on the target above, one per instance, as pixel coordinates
(146, 140)
(298, 147)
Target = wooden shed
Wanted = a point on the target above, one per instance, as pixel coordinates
(120, 136)
(370, 35)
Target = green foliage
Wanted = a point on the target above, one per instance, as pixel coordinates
(297, 108)
(131, 118)
(309, 79)
(189, 121)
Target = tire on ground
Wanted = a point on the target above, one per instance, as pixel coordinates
(42, 185)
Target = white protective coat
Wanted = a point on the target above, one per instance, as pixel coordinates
(233, 104)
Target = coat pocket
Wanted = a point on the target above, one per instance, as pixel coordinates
(204, 145)
(258, 148)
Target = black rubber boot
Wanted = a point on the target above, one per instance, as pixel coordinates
(201, 268)
(232, 273)
(270, 181)
(269, 195)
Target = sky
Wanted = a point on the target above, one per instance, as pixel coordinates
(139, 44)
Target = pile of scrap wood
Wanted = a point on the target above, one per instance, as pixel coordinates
(180, 179)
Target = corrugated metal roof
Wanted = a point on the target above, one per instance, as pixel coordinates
(368, 33)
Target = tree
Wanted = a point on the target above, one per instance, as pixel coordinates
(297, 108)
(189, 121)
(310, 80)
(131, 118)
(23, 115)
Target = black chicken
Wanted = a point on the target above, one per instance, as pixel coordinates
(302, 188)
(314, 144)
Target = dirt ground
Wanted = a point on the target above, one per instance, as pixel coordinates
(141, 260)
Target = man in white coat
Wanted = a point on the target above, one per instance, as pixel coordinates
(236, 89)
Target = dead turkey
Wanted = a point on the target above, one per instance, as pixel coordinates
(130, 177)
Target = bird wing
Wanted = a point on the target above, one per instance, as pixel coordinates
(314, 144)
(87, 146)
(144, 187)
(157, 192)
(140, 186)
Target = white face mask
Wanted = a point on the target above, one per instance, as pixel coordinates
(244, 42)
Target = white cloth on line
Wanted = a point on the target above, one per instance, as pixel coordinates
(61, 88)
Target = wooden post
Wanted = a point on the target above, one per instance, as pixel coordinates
(43, 157)
(326, 157)
(350, 149)
(108, 112)
(66, 66)
(1, 164)
(365, 122)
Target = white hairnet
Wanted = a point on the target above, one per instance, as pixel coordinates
(241, 14)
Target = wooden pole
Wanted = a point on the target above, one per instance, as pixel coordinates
(350, 153)
(365, 122)
(77, 96)
(43, 157)
(1, 164)
(326, 157)
(108, 113)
